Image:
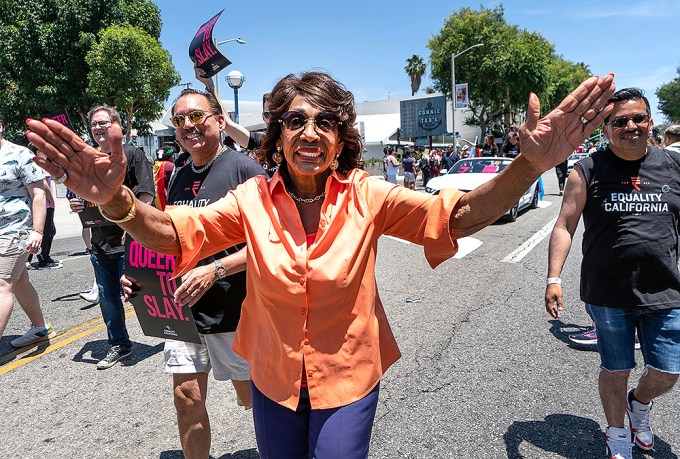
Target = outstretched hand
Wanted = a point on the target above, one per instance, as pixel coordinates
(90, 174)
(548, 141)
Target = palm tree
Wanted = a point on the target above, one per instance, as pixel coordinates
(415, 68)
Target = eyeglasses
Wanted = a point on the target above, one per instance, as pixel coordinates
(622, 121)
(101, 124)
(294, 121)
(265, 115)
(196, 117)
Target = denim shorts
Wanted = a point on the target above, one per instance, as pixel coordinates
(658, 332)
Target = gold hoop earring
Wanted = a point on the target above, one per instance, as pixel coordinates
(334, 164)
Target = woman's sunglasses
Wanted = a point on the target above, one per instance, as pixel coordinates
(325, 121)
(622, 121)
(196, 117)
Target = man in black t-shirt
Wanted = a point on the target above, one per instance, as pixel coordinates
(629, 196)
(217, 286)
(108, 246)
(511, 147)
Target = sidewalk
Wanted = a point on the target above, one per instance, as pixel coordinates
(68, 224)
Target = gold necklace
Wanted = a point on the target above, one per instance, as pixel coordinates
(306, 200)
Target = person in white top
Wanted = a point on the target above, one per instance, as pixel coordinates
(22, 216)
(392, 166)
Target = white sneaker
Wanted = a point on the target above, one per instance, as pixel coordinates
(34, 335)
(640, 425)
(92, 296)
(619, 444)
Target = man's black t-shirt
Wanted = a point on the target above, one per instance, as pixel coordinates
(219, 309)
(106, 240)
(630, 242)
(510, 150)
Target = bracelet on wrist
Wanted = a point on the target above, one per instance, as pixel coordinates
(38, 231)
(130, 214)
(553, 280)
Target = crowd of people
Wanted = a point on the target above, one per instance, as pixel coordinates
(428, 163)
(263, 247)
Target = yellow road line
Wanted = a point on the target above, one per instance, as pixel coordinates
(54, 345)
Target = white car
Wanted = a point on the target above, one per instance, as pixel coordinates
(467, 174)
(573, 159)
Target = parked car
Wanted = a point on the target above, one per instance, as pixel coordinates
(574, 158)
(469, 173)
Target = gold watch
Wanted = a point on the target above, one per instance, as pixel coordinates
(220, 270)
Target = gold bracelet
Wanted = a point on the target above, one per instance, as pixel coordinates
(38, 231)
(130, 214)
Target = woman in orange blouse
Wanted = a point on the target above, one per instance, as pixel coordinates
(312, 328)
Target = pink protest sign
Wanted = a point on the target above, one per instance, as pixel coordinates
(203, 51)
(60, 116)
(153, 289)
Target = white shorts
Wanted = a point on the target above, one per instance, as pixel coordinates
(215, 353)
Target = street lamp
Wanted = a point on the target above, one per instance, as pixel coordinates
(453, 88)
(221, 42)
(235, 80)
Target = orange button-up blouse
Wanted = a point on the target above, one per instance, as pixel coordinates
(318, 302)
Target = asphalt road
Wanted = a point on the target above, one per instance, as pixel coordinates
(485, 372)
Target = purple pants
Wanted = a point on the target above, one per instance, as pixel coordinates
(334, 433)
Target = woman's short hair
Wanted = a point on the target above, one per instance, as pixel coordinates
(323, 93)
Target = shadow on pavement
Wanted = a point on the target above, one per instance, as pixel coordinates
(9, 353)
(561, 331)
(571, 437)
(69, 297)
(243, 454)
(93, 351)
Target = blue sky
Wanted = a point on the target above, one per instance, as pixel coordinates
(365, 44)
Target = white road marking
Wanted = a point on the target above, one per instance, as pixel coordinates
(520, 252)
(544, 204)
(466, 245)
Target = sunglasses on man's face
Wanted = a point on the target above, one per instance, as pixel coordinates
(196, 117)
(324, 121)
(622, 121)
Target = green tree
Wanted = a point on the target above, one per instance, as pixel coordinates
(44, 44)
(415, 68)
(669, 99)
(564, 77)
(131, 71)
(512, 63)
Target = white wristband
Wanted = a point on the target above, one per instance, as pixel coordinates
(553, 280)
